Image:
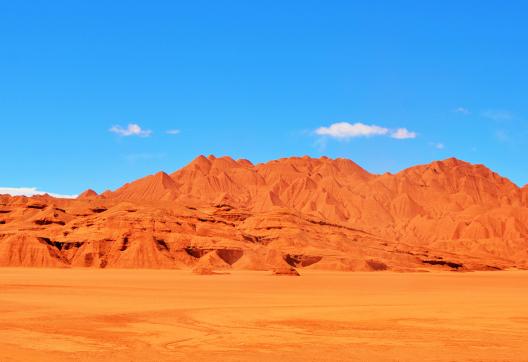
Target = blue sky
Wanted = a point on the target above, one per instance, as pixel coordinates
(257, 80)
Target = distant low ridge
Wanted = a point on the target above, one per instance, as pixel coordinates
(301, 212)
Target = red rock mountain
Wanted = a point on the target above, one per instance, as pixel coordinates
(87, 194)
(221, 213)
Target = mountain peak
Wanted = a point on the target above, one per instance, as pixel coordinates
(245, 163)
(154, 187)
(164, 179)
(88, 194)
(205, 164)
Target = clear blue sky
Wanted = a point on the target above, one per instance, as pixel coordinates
(257, 80)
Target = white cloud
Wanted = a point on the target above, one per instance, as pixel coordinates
(403, 134)
(132, 129)
(173, 131)
(462, 110)
(344, 130)
(30, 191)
(439, 146)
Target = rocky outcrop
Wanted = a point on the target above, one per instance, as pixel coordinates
(287, 272)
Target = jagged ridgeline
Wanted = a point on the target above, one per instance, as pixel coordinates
(221, 213)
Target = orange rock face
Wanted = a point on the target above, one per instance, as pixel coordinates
(221, 214)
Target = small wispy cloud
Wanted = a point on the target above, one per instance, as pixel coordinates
(437, 145)
(30, 191)
(173, 131)
(320, 144)
(498, 115)
(502, 135)
(462, 110)
(133, 129)
(346, 130)
(403, 134)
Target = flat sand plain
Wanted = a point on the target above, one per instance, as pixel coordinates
(158, 315)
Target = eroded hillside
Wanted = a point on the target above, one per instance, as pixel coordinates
(304, 212)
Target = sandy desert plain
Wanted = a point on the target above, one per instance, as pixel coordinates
(170, 315)
(429, 264)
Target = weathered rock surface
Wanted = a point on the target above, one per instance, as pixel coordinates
(222, 214)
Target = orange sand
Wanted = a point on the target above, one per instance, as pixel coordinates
(156, 315)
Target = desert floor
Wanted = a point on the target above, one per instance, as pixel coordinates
(156, 315)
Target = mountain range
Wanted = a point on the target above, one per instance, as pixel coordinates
(301, 212)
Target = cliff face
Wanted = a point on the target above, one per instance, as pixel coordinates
(311, 213)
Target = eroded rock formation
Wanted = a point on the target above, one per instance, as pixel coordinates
(220, 213)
